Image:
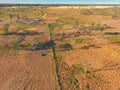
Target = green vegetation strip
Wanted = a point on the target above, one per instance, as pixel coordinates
(114, 39)
(51, 27)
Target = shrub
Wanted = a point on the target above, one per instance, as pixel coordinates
(11, 16)
(26, 46)
(116, 16)
(20, 38)
(6, 29)
(114, 39)
(79, 40)
(73, 80)
(17, 42)
(51, 27)
(66, 46)
(97, 26)
(88, 87)
(36, 45)
(17, 16)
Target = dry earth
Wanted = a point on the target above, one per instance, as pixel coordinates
(102, 63)
(26, 70)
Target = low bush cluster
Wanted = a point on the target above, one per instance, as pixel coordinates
(114, 39)
(97, 26)
(65, 46)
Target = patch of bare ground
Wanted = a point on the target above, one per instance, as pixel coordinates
(112, 23)
(27, 70)
(97, 68)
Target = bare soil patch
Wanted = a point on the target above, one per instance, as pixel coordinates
(26, 70)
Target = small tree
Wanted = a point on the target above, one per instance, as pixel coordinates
(77, 23)
(51, 27)
(11, 16)
(6, 29)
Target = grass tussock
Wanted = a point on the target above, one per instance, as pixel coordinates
(114, 39)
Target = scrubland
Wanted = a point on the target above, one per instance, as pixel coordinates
(67, 48)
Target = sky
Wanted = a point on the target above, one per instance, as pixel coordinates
(62, 1)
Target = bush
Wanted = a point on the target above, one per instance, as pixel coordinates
(26, 46)
(114, 39)
(11, 16)
(66, 46)
(97, 26)
(79, 40)
(6, 29)
(17, 42)
(116, 16)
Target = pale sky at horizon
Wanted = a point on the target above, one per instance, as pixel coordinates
(62, 1)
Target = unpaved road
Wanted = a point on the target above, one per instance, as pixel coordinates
(26, 70)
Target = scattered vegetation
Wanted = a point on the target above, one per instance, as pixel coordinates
(43, 10)
(66, 46)
(79, 69)
(11, 16)
(113, 12)
(51, 28)
(99, 11)
(67, 76)
(116, 16)
(79, 40)
(87, 41)
(65, 38)
(6, 29)
(88, 87)
(21, 26)
(97, 26)
(114, 39)
(36, 45)
(67, 21)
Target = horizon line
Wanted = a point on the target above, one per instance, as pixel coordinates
(59, 4)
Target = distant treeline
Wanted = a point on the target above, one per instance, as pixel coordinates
(5, 5)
